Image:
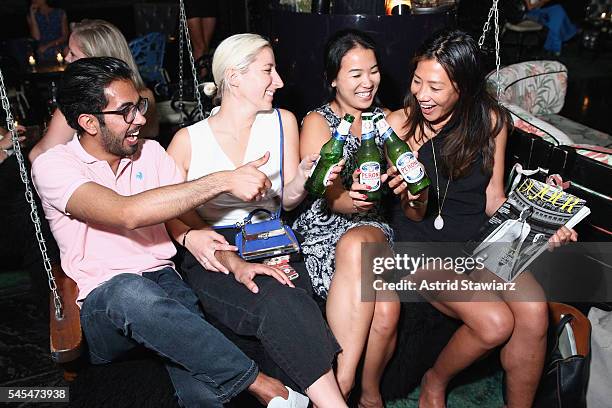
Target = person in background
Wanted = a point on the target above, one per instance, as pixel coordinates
(255, 300)
(460, 133)
(97, 38)
(335, 226)
(201, 21)
(6, 142)
(49, 27)
(560, 28)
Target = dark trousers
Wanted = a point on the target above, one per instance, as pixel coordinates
(286, 321)
(160, 312)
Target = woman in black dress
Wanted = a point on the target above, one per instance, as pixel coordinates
(460, 134)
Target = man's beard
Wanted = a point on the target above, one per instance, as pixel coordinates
(114, 144)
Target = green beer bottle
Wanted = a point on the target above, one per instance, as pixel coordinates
(368, 159)
(330, 155)
(401, 156)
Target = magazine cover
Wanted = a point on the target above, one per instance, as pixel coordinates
(519, 231)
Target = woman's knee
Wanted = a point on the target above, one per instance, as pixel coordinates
(349, 245)
(386, 316)
(531, 318)
(495, 327)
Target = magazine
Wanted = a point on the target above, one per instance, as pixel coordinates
(519, 231)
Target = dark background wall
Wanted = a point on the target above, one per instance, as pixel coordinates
(119, 12)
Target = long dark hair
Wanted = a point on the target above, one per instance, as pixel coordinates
(476, 117)
(336, 48)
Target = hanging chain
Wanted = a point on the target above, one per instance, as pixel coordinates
(185, 32)
(181, 40)
(30, 198)
(494, 11)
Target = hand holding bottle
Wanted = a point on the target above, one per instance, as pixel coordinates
(398, 185)
(307, 164)
(357, 194)
(330, 155)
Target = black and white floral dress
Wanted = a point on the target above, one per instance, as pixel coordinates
(322, 228)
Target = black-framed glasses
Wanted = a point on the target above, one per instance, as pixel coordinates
(129, 112)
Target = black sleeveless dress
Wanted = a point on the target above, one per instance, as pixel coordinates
(464, 208)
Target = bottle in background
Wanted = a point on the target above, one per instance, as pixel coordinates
(397, 7)
(331, 153)
(401, 157)
(368, 158)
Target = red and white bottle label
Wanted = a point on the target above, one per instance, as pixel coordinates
(410, 168)
(370, 175)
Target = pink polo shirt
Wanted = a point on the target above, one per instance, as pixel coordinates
(92, 254)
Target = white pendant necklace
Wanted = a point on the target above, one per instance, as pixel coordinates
(439, 221)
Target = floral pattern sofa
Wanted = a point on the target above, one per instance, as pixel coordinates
(534, 93)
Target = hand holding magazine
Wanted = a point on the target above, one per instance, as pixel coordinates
(520, 229)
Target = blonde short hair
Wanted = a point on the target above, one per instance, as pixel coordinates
(237, 52)
(99, 38)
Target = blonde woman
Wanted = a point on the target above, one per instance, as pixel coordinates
(97, 38)
(253, 299)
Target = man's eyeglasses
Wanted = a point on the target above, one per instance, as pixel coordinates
(129, 112)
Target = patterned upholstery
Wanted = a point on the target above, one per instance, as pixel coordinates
(534, 92)
(536, 86)
(531, 124)
(579, 133)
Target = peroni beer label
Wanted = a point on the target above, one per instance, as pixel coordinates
(370, 175)
(410, 168)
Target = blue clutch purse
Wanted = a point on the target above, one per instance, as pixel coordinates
(265, 239)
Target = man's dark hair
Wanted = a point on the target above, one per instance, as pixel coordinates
(81, 89)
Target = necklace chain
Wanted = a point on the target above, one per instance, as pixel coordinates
(440, 203)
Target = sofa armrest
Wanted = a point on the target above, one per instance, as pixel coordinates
(531, 124)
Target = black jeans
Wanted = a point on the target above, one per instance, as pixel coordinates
(287, 321)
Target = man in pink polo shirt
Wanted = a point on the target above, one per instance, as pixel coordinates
(106, 195)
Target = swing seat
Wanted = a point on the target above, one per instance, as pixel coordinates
(534, 93)
(66, 337)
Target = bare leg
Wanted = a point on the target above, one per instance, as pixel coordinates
(380, 347)
(325, 392)
(523, 356)
(486, 326)
(208, 30)
(197, 39)
(349, 318)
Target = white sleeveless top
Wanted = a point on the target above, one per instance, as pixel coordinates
(208, 157)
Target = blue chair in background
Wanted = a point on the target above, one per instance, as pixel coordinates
(148, 52)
